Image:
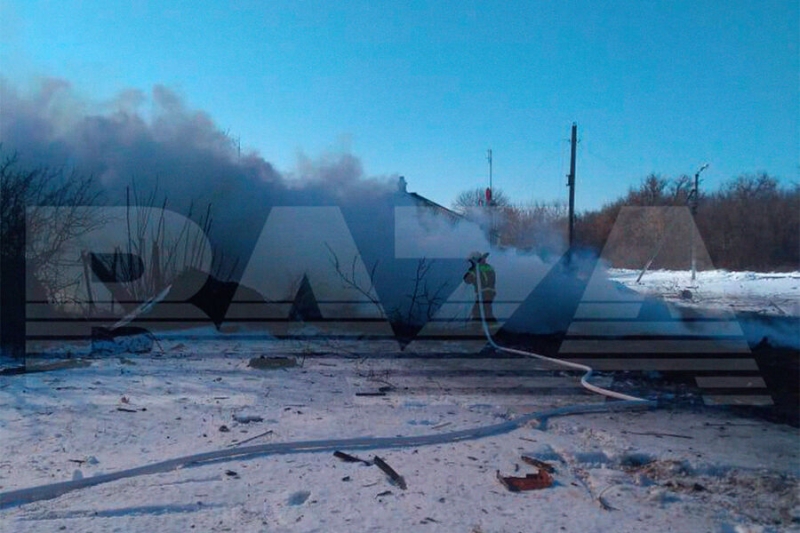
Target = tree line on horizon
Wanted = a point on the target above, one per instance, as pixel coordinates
(751, 222)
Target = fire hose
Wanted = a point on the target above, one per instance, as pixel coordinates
(569, 364)
(53, 490)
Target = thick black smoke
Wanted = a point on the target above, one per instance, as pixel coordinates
(155, 142)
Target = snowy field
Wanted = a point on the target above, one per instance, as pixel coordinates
(680, 467)
(667, 469)
(775, 294)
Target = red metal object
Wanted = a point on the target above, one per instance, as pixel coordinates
(540, 480)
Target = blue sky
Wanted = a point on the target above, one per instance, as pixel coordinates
(423, 89)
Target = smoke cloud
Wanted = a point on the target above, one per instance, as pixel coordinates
(415, 258)
(156, 142)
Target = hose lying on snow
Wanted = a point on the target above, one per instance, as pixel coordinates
(45, 492)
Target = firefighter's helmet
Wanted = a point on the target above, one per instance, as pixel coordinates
(475, 257)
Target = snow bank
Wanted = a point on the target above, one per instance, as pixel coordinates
(766, 293)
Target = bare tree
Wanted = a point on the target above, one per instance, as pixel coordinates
(33, 230)
(751, 222)
(476, 197)
(33, 236)
(651, 192)
(351, 278)
(166, 254)
(422, 301)
(537, 226)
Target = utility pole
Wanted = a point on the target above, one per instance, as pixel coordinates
(571, 184)
(695, 195)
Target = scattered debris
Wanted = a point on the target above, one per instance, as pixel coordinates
(389, 471)
(779, 308)
(384, 493)
(347, 458)
(657, 434)
(126, 410)
(541, 465)
(540, 480)
(264, 434)
(231, 473)
(246, 419)
(442, 425)
(144, 308)
(271, 363)
(224, 429)
(44, 366)
(603, 503)
(378, 393)
(130, 340)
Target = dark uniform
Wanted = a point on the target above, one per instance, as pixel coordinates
(488, 279)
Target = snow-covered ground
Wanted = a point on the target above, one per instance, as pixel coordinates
(776, 294)
(667, 469)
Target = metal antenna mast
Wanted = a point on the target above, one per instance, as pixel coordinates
(489, 158)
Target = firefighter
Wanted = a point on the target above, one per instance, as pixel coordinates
(478, 264)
